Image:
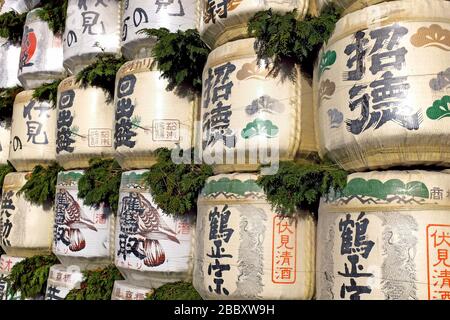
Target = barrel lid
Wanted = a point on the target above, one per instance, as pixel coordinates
(391, 12)
(24, 96)
(136, 66)
(232, 50)
(385, 190)
(15, 180)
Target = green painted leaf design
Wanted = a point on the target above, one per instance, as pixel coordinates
(440, 109)
(327, 60)
(259, 127)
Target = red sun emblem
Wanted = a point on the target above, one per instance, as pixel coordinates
(29, 43)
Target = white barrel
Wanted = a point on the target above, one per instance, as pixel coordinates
(385, 236)
(348, 5)
(41, 56)
(61, 280)
(378, 104)
(221, 22)
(83, 235)
(26, 227)
(9, 63)
(247, 114)
(92, 28)
(5, 134)
(19, 6)
(124, 291)
(246, 251)
(148, 116)
(152, 248)
(6, 265)
(143, 14)
(32, 132)
(84, 128)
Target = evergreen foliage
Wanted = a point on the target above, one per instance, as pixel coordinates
(175, 187)
(102, 74)
(284, 39)
(181, 57)
(97, 284)
(30, 276)
(4, 170)
(40, 188)
(11, 26)
(175, 291)
(47, 92)
(54, 13)
(299, 186)
(7, 97)
(100, 183)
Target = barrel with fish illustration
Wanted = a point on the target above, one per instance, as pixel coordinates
(26, 227)
(83, 235)
(248, 116)
(61, 280)
(41, 55)
(151, 248)
(124, 291)
(32, 132)
(6, 265)
(92, 28)
(148, 116)
(244, 250)
(385, 236)
(84, 126)
(143, 14)
(378, 104)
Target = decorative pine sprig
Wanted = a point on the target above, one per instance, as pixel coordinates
(175, 291)
(47, 92)
(7, 97)
(299, 186)
(175, 187)
(97, 284)
(283, 39)
(29, 276)
(180, 56)
(102, 74)
(4, 170)
(100, 183)
(40, 188)
(54, 13)
(11, 26)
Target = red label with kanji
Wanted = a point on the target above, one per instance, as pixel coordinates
(284, 250)
(438, 260)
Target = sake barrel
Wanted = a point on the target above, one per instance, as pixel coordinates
(83, 235)
(61, 281)
(125, 291)
(142, 14)
(221, 22)
(32, 132)
(19, 6)
(246, 251)
(348, 5)
(9, 63)
(6, 265)
(250, 117)
(148, 116)
(5, 133)
(92, 27)
(84, 125)
(385, 236)
(26, 227)
(152, 248)
(41, 55)
(377, 103)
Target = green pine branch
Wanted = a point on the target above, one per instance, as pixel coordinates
(47, 92)
(102, 74)
(4, 170)
(97, 284)
(175, 291)
(286, 40)
(40, 188)
(180, 57)
(7, 97)
(29, 277)
(100, 183)
(11, 26)
(175, 187)
(299, 186)
(54, 13)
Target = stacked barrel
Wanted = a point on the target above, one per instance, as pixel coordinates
(83, 234)
(152, 248)
(26, 227)
(248, 118)
(382, 94)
